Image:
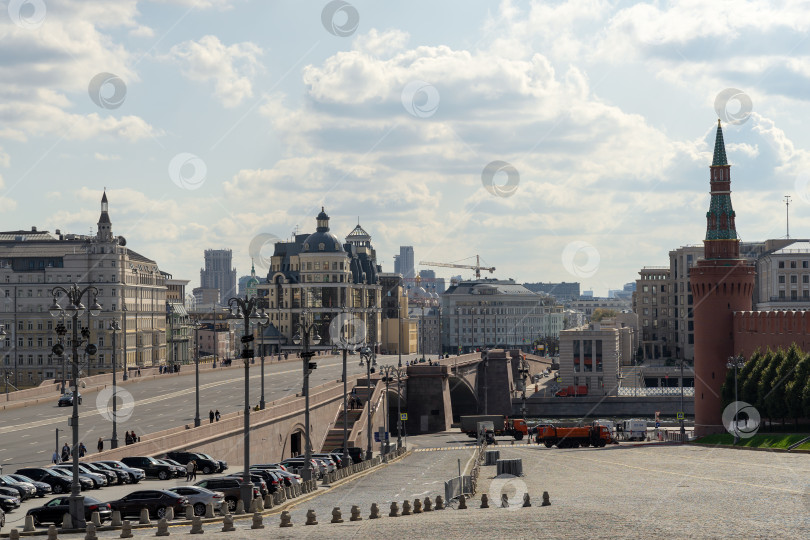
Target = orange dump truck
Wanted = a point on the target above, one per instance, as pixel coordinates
(574, 437)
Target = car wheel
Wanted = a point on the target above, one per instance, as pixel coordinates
(163, 475)
(206, 470)
(161, 512)
(199, 509)
(231, 502)
(37, 523)
(57, 488)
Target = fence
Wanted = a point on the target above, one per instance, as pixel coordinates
(466, 484)
(656, 391)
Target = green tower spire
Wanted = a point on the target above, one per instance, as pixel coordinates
(719, 148)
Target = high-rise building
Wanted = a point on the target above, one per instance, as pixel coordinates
(406, 264)
(561, 291)
(722, 283)
(431, 283)
(651, 304)
(219, 273)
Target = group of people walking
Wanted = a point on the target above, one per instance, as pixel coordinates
(212, 416)
(66, 453)
(191, 470)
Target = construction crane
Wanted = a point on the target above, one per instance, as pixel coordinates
(477, 267)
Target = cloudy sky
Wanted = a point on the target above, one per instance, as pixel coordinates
(561, 141)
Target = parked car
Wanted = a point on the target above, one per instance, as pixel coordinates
(10, 492)
(199, 497)
(257, 480)
(273, 480)
(205, 463)
(297, 464)
(54, 510)
(151, 467)
(58, 482)
(84, 482)
(66, 399)
(99, 480)
(9, 503)
(24, 489)
(229, 486)
(122, 475)
(136, 474)
(269, 466)
(156, 501)
(41, 487)
(177, 469)
(290, 479)
(355, 452)
(331, 464)
(112, 478)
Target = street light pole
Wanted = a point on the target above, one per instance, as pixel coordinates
(368, 355)
(399, 373)
(196, 374)
(736, 362)
(113, 327)
(304, 338)
(683, 414)
(262, 327)
(245, 308)
(74, 309)
(345, 343)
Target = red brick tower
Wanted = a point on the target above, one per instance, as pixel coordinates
(722, 283)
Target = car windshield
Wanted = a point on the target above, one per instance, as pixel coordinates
(22, 478)
(115, 464)
(8, 479)
(59, 472)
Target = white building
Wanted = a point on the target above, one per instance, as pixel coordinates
(592, 356)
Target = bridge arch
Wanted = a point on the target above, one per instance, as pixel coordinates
(463, 398)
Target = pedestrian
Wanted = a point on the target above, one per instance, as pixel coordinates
(82, 449)
(100, 444)
(189, 470)
(127, 438)
(216, 415)
(134, 437)
(211, 416)
(65, 452)
(194, 469)
(55, 457)
(139, 371)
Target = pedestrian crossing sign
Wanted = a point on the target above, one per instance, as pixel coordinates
(403, 416)
(680, 416)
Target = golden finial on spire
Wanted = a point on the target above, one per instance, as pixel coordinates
(718, 122)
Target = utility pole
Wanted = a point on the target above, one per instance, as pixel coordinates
(787, 214)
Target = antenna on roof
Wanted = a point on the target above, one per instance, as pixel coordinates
(787, 215)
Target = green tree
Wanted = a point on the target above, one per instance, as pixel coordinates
(748, 384)
(602, 313)
(767, 380)
(794, 387)
(776, 398)
(806, 398)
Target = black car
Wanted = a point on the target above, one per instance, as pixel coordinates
(123, 476)
(355, 452)
(229, 486)
(257, 479)
(54, 510)
(24, 490)
(205, 464)
(156, 501)
(177, 469)
(112, 477)
(9, 503)
(59, 483)
(271, 478)
(152, 467)
(84, 481)
(67, 399)
(41, 487)
(135, 474)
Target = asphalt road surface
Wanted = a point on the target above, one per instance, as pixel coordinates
(28, 435)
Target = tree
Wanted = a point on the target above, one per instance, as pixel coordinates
(776, 399)
(602, 313)
(795, 386)
(767, 380)
(748, 384)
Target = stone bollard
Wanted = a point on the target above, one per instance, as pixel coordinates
(337, 517)
(115, 520)
(325, 481)
(240, 507)
(227, 523)
(527, 502)
(67, 522)
(394, 510)
(196, 525)
(285, 519)
(52, 533)
(126, 529)
(14, 534)
(90, 532)
(439, 502)
(428, 505)
(406, 508)
(355, 513)
(504, 500)
(95, 518)
(209, 510)
(189, 512)
(484, 501)
(311, 517)
(29, 524)
(375, 511)
(417, 506)
(257, 521)
(546, 500)
(144, 519)
(163, 527)
(462, 503)
(287, 493)
(169, 514)
(268, 501)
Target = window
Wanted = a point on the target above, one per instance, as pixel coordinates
(805, 264)
(781, 279)
(794, 279)
(793, 264)
(781, 264)
(806, 278)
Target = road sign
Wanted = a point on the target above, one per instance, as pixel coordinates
(559, 379)
(658, 424)
(680, 416)
(381, 433)
(403, 416)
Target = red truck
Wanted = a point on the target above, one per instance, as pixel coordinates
(573, 391)
(574, 437)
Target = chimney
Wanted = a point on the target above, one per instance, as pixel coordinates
(33, 229)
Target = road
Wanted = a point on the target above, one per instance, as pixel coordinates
(28, 435)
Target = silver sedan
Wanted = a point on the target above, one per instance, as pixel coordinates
(199, 497)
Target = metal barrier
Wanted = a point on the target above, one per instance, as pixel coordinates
(629, 391)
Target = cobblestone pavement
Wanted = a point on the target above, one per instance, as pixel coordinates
(626, 492)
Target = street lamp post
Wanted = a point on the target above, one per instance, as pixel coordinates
(304, 338)
(399, 372)
(245, 308)
(345, 344)
(114, 328)
(74, 309)
(683, 414)
(196, 325)
(387, 372)
(2, 342)
(261, 327)
(523, 371)
(736, 362)
(368, 355)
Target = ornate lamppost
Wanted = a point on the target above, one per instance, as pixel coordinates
(114, 328)
(303, 337)
(74, 309)
(370, 361)
(245, 308)
(735, 363)
(196, 325)
(262, 326)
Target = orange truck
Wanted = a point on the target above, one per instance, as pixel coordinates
(572, 391)
(574, 437)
